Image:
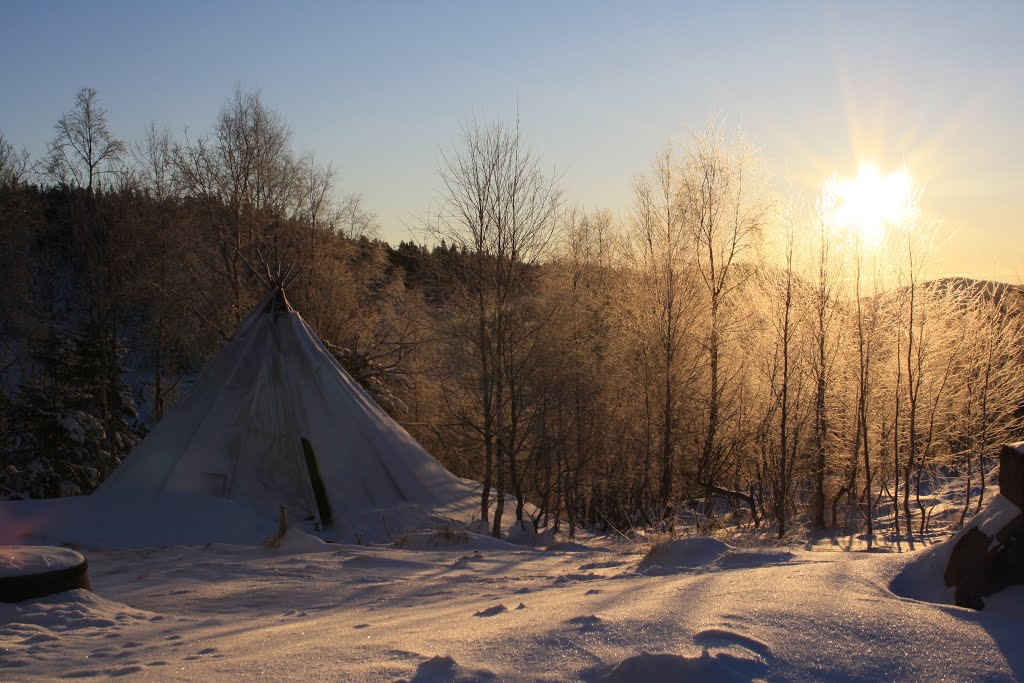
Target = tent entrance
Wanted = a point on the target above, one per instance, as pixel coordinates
(323, 505)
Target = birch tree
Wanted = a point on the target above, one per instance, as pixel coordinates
(500, 209)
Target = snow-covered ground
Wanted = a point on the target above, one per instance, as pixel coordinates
(457, 607)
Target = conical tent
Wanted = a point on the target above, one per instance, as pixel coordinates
(275, 420)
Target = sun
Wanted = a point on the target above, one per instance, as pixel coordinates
(869, 203)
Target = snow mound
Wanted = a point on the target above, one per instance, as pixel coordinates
(707, 668)
(671, 557)
(440, 538)
(548, 537)
(450, 538)
(924, 577)
(1008, 602)
(385, 525)
(298, 542)
(70, 611)
(522, 533)
(479, 526)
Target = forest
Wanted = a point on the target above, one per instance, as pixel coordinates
(724, 353)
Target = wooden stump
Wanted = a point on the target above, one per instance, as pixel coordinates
(1011, 474)
(35, 571)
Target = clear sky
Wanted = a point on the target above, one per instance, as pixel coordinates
(377, 88)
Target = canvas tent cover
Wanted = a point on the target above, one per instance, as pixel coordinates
(275, 420)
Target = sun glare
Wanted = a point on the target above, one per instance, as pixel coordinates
(870, 202)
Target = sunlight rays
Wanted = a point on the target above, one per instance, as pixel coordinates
(869, 203)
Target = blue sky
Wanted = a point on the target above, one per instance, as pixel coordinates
(377, 88)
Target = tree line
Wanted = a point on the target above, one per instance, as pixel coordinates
(719, 354)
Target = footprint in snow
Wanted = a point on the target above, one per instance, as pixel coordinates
(672, 667)
(607, 564)
(203, 653)
(83, 673)
(591, 622)
(491, 611)
(724, 639)
(566, 578)
(444, 668)
(124, 670)
(466, 559)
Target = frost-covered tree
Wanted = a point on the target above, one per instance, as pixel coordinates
(500, 209)
(245, 177)
(726, 205)
(663, 312)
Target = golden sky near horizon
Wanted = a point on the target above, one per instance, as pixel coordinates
(378, 89)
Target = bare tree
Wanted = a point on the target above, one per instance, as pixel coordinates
(154, 166)
(927, 363)
(662, 316)
(84, 149)
(14, 164)
(725, 206)
(154, 163)
(825, 304)
(316, 214)
(581, 372)
(990, 375)
(866, 334)
(245, 179)
(354, 220)
(500, 209)
(785, 375)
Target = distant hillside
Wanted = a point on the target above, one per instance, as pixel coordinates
(1007, 297)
